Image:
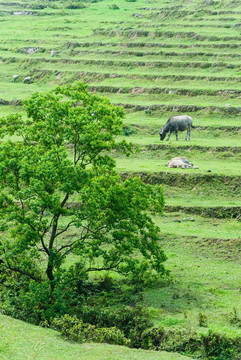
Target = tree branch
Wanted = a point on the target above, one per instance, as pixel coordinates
(67, 227)
(111, 267)
(24, 272)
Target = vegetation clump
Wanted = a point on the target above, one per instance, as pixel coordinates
(75, 330)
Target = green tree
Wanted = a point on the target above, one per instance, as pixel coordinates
(62, 197)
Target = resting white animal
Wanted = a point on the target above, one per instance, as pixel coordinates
(181, 162)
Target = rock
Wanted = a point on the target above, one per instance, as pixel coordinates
(15, 77)
(27, 80)
(54, 53)
(29, 50)
(22, 13)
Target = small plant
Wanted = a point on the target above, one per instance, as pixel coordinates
(148, 111)
(75, 5)
(128, 130)
(36, 6)
(114, 7)
(235, 319)
(202, 320)
(176, 295)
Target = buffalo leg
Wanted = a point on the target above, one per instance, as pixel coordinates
(176, 135)
(188, 133)
(169, 135)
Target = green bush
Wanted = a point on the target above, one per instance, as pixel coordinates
(74, 295)
(218, 347)
(182, 341)
(128, 130)
(152, 338)
(74, 5)
(32, 302)
(114, 7)
(76, 330)
(132, 321)
(36, 6)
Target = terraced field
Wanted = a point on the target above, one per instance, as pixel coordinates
(155, 58)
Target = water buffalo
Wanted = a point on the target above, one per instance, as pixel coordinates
(181, 162)
(175, 124)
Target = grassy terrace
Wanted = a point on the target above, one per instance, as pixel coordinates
(157, 58)
(21, 341)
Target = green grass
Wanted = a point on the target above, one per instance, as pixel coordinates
(204, 280)
(216, 166)
(193, 45)
(166, 99)
(204, 85)
(198, 138)
(179, 224)
(200, 118)
(21, 341)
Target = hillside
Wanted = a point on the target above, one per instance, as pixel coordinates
(21, 341)
(155, 58)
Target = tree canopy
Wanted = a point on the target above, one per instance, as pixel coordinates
(61, 197)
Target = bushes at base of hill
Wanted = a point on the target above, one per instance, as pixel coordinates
(132, 321)
(209, 346)
(76, 330)
(81, 319)
(218, 347)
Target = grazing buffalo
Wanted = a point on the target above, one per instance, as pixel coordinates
(175, 124)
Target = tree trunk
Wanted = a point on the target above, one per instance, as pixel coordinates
(50, 274)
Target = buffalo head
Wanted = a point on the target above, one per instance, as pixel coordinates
(162, 134)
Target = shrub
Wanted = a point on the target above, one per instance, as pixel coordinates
(74, 5)
(152, 338)
(219, 347)
(181, 341)
(36, 6)
(128, 130)
(30, 301)
(76, 330)
(114, 7)
(132, 321)
(202, 320)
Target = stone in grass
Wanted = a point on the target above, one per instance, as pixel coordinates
(27, 80)
(15, 77)
(181, 162)
(55, 53)
(30, 50)
(22, 13)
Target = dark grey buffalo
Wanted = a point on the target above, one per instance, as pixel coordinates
(175, 124)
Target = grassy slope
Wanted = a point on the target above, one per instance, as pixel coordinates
(21, 341)
(107, 50)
